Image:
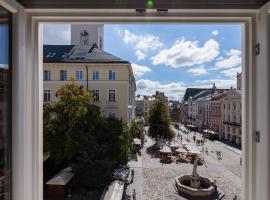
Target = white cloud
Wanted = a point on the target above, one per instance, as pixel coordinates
(174, 90)
(187, 53)
(4, 66)
(142, 44)
(140, 70)
(232, 72)
(234, 59)
(198, 71)
(220, 83)
(215, 33)
(57, 34)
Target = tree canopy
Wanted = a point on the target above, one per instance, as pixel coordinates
(75, 134)
(159, 120)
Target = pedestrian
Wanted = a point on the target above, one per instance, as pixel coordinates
(240, 161)
(134, 195)
(132, 175)
(235, 197)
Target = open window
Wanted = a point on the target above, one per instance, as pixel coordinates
(27, 86)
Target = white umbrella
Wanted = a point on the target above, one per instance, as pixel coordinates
(174, 145)
(194, 151)
(165, 149)
(181, 150)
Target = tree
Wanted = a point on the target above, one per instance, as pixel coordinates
(75, 134)
(63, 124)
(159, 121)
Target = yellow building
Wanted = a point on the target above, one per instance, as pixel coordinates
(110, 78)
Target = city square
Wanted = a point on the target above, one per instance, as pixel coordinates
(154, 180)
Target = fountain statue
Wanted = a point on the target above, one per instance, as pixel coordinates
(195, 185)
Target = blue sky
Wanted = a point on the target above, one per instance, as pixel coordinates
(4, 31)
(170, 57)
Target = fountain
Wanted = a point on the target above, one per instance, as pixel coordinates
(195, 185)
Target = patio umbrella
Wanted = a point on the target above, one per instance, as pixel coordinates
(165, 149)
(194, 151)
(181, 151)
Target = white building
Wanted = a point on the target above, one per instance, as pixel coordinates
(87, 34)
(231, 117)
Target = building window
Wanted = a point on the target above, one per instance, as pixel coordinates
(111, 75)
(224, 106)
(96, 75)
(47, 75)
(79, 75)
(234, 107)
(96, 95)
(47, 96)
(63, 75)
(229, 107)
(112, 95)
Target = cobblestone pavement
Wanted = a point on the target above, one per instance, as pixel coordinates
(154, 180)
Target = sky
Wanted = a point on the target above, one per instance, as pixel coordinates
(4, 53)
(171, 57)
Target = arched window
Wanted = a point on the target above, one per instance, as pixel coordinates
(84, 38)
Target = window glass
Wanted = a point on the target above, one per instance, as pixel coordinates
(79, 75)
(111, 75)
(111, 95)
(96, 75)
(47, 96)
(96, 95)
(47, 75)
(5, 107)
(63, 75)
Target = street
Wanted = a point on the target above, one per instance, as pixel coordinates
(155, 181)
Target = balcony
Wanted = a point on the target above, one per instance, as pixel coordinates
(232, 123)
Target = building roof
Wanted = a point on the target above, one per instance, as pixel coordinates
(190, 92)
(77, 54)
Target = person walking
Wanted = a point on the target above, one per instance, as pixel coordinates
(134, 195)
(132, 175)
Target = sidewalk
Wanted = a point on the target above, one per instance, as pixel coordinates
(137, 183)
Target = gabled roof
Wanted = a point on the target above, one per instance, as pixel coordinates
(77, 54)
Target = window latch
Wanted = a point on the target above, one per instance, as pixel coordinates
(257, 49)
(258, 136)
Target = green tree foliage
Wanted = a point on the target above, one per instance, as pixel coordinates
(75, 134)
(159, 121)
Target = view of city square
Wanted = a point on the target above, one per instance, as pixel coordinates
(157, 116)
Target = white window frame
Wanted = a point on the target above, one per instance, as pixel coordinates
(94, 91)
(114, 95)
(27, 122)
(47, 75)
(48, 92)
(95, 75)
(79, 75)
(113, 78)
(65, 77)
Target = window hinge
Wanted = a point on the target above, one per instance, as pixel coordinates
(257, 49)
(162, 11)
(258, 136)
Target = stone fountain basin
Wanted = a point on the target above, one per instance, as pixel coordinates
(206, 189)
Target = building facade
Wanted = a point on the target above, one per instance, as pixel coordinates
(231, 117)
(109, 78)
(143, 105)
